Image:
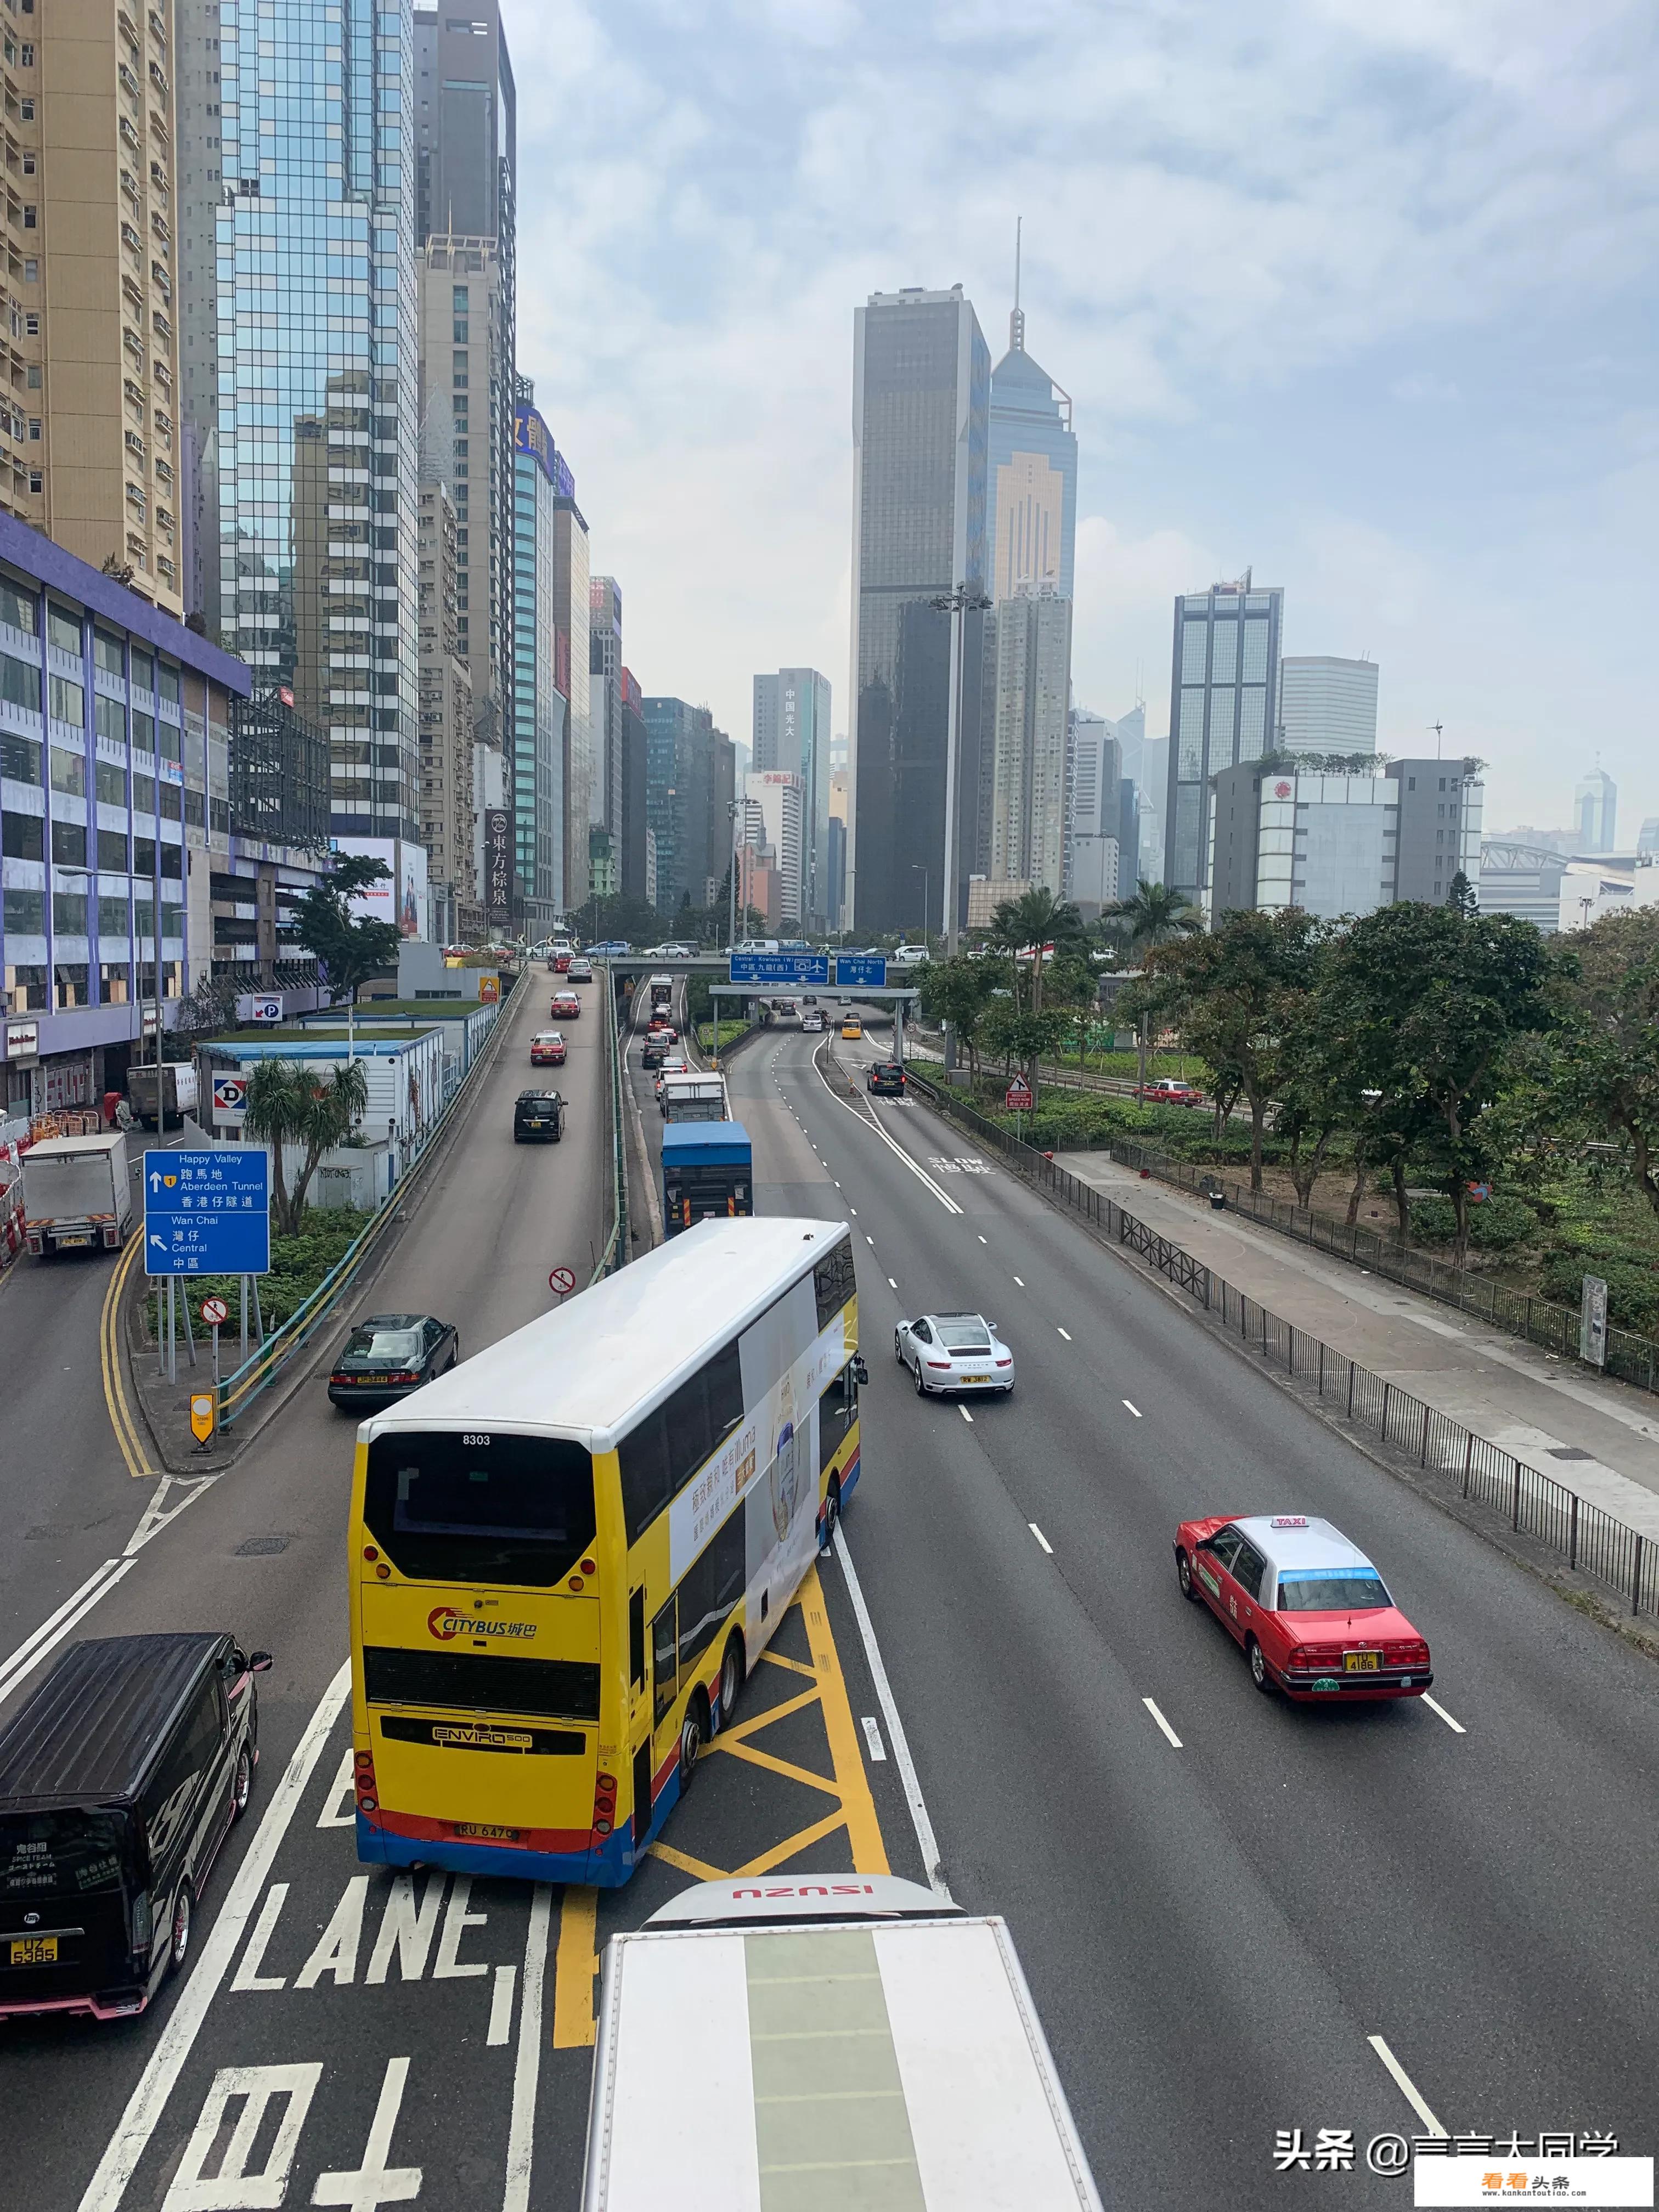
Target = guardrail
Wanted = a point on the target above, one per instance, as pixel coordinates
(615, 1253)
(1592, 1540)
(237, 1391)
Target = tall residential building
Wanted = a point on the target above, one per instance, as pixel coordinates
(629, 838)
(921, 394)
(1596, 811)
(541, 681)
(791, 734)
(90, 449)
(689, 790)
(316, 440)
(1029, 702)
(465, 137)
(571, 584)
(1098, 863)
(773, 820)
(1327, 705)
(1223, 710)
(445, 709)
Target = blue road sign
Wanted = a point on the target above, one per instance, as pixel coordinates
(207, 1213)
(866, 971)
(778, 967)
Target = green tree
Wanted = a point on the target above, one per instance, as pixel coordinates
(1152, 914)
(1239, 994)
(290, 1104)
(1022, 1034)
(959, 992)
(1606, 1064)
(1036, 919)
(350, 950)
(1433, 1002)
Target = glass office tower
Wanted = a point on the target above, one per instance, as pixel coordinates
(1224, 708)
(535, 786)
(318, 441)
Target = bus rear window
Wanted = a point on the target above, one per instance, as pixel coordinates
(65, 1854)
(480, 1508)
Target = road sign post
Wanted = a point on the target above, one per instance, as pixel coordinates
(778, 968)
(203, 1407)
(564, 1280)
(215, 1310)
(1019, 1097)
(205, 1213)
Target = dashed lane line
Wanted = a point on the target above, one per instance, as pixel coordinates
(1152, 1709)
(1041, 1538)
(1066, 1334)
(1135, 1409)
(1435, 1706)
(1406, 2086)
(921, 1820)
(965, 1414)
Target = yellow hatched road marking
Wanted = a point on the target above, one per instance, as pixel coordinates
(795, 1666)
(109, 1357)
(785, 1767)
(740, 1731)
(686, 1864)
(797, 1842)
(863, 1828)
(574, 1965)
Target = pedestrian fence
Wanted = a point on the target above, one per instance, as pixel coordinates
(615, 1253)
(236, 1392)
(1592, 1541)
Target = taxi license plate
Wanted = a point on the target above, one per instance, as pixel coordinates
(34, 1950)
(975, 1378)
(1361, 1662)
(64, 1242)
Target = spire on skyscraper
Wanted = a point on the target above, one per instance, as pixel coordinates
(1017, 320)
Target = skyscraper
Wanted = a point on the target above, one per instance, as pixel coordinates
(1031, 482)
(922, 378)
(1097, 868)
(571, 617)
(318, 433)
(1327, 705)
(792, 734)
(445, 710)
(629, 840)
(1223, 709)
(1596, 811)
(88, 447)
(773, 821)
(541, 678)
(1031, 696)
(604, 667)
(690, 769)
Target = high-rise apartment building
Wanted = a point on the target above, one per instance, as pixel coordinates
(1596, 811)
(921, 391)
(1099, 866)
(773, 820)
(1030, 698)
(541, 678)
(89, 446)
(1223, 701)
(792, 735)
(315, 446)
(571, 586)
(446, 711)
(1327, 705)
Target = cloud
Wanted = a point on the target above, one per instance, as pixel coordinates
(1424, 390)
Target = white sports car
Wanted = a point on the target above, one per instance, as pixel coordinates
(953, 1351)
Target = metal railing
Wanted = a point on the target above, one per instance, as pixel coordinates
(615, 1253)
(1592, 1541)
(1630, 1357)
(236, 1392)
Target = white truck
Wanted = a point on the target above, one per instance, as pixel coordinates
(165, 1093)
(77, 1193)
(824, 2039)
(694, 1098)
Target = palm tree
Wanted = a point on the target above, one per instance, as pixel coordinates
(1152, 915)
(290, 1104)
(1036, 919)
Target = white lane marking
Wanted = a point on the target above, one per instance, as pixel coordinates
(1406, 2086)
(501, 2005)
(149, 2100)
(52, 1620)
(891, 1284)
(870, 1122)
(1135, 1409)
(870, 1241)
(374, 2183)
(966, 1415)
(853, 1211)
(1041, 1538)
(247, 1975)
(837, 1185)
(526, 2070)
(1020, 1279)
(329, 1818)
(983, 1240)
(1435, 1706)
(919, 1818)
(27, 1656)
(872, 1737)
(1162, 1723)
(1066, 1333)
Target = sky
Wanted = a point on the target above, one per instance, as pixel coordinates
(1359, 295)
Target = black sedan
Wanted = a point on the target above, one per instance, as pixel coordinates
(886, 1079)
(388, 1355)
(538, 1117)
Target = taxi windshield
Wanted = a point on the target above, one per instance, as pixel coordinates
(1332, 1589)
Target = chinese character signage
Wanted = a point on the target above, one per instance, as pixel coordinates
(207, 1213)
(498, 861)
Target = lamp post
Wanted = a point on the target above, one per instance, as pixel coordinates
(964, 599)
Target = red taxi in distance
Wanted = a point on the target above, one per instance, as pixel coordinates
(1169, 1090)
(1312, 1613)
(566, 1006)
(547, 1049)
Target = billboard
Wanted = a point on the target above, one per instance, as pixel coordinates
(402, 897)
(498, 862)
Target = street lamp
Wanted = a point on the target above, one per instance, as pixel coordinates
(965, 599)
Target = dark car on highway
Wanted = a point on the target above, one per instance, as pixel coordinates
(389, 1355)
(120, 1779)
(538, 1117)
(659, 1043)
(886, 1079)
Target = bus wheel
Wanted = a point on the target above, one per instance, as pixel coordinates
(694, 1731)
(731, 1679)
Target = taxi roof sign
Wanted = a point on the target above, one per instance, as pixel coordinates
(1289, 1521)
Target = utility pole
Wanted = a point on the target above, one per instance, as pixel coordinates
(964, 599)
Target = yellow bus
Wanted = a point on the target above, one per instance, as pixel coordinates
(566, 1554)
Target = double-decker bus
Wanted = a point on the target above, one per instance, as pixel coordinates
(566, 1554)
(661, 991)
(708, 1174)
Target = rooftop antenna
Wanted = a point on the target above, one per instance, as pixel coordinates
(1017, 320)
(1436, 727)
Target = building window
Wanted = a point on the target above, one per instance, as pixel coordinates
(31, 218)
(37, 481)
(28, 55)
(29, 111)
(31, 272)
(32, 324)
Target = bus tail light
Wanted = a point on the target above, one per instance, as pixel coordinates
(368, 1799)
(604, 1804)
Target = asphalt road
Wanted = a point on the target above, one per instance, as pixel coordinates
(1213, 1933)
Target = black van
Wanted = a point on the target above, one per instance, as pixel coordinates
(538, 1117)
(120, 1779)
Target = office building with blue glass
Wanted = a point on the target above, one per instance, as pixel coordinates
(1223, 710)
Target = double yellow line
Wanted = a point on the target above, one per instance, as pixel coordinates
(109, 1356)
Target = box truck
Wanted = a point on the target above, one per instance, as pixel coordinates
(77, 1193)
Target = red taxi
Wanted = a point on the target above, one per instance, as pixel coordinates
(1170, 1090)
(566, 1006)
(547, 1049)
(1312, 1613)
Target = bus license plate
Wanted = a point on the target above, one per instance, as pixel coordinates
(1362, 1662)
(485, 1834)
(34, 1950)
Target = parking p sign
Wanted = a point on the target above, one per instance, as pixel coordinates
(230, 1099)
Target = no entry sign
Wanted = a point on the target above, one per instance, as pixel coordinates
(561, 1279)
